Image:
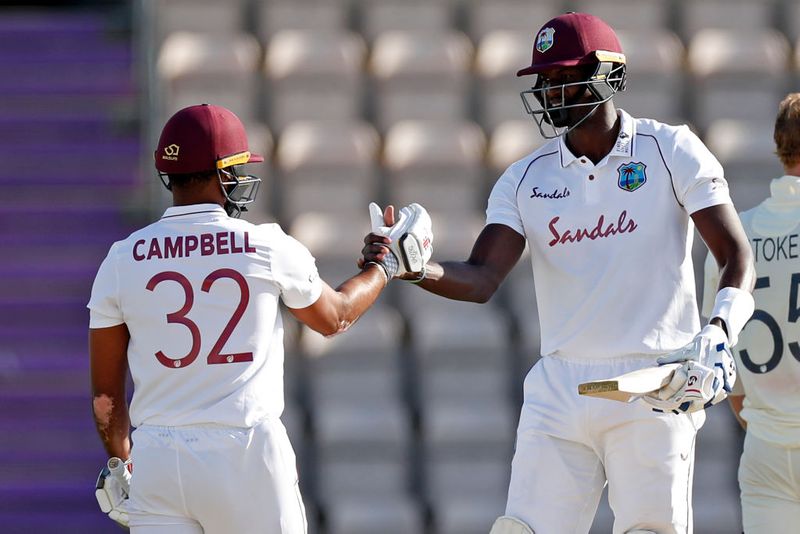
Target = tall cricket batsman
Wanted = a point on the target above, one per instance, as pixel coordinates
(608, 208)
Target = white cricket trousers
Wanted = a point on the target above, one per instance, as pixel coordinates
(211, 479)
(568, 446)
(769, 478)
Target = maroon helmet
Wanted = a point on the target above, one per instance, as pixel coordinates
(573, 40)
(206, 138)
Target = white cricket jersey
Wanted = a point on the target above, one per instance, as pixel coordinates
(767, 354)
(611, 243)
(198, 291)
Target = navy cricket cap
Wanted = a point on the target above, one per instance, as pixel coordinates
(573, 39)
(202, 138)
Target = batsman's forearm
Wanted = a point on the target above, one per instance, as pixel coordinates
(108, 355)
(113, 424)
(722, 231)
(739, 273)
(460, 280)
(359, 293)
(336, 309)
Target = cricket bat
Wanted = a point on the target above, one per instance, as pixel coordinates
(624, 387)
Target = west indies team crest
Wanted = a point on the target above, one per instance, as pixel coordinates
(545, 39)
(631, 176)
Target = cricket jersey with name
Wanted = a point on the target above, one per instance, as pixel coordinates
(198, 291)
(611, 243)
(767, 354)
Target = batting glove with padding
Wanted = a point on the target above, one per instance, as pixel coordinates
(412, 240)
(705, 378)
(112, 489)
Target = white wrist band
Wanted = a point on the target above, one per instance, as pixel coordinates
(734, 306)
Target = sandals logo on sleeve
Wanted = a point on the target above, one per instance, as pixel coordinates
(544, 41)
(631, 176)
(171, 152)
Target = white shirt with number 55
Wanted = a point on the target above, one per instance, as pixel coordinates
(767, 354)
(198, 292)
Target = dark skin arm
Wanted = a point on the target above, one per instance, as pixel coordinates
(498, 248)
(722, 231)
(108, 353)
(336, 310)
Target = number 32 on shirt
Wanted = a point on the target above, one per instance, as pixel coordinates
(180, 316)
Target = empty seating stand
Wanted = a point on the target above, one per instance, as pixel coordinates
(420, 75)
(438, 163)
(314, 75)
(327, 166)
(274, 16)
(656, 83)
(732, 79)
(500, 54)
(211, 68)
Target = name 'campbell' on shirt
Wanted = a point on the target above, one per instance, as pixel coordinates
(185, 246)
(199, 294)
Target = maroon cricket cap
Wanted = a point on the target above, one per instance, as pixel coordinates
(202, 138)
(573, 39)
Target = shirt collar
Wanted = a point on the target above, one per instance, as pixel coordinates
(622, 147)
(193, 209)
(785, 191)
(779, 214)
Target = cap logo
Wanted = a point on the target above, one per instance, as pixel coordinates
(171, 152)
(544, 41)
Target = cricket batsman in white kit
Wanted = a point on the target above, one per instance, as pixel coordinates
(190, 305)
(608, 207)
(766, 398)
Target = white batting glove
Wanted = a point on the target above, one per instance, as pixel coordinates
(112, 490)
(412, 240)
(705, 378)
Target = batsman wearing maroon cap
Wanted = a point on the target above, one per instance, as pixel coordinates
(190, 305)
(608, 209)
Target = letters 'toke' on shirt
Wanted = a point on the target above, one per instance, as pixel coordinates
(611, 243)
(767, 355)
(199, 291)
